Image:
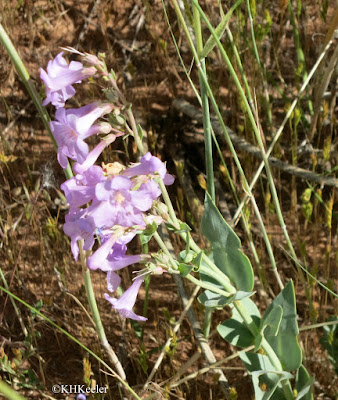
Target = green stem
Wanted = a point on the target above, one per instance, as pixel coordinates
(207, 286)
(299, 50)
(207, 321)
(205, 108)
(9, 393)
(209, 166)
(261, 68)
(258, 137)
(319, 325)
(96, 314)
(146, 299)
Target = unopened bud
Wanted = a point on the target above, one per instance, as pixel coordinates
(109, 139)
(162, 209)
(105, 127)
(89, 71)
(91, 59)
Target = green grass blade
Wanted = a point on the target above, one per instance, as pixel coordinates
(211, 42)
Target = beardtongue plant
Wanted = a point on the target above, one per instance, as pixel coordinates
(107, 205)
(111, 204)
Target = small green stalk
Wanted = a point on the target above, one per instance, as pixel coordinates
(9, 393)
(96, 314)
(261, 68)
(205, 108)
(207, 286)
(145, 250)
(209, 165)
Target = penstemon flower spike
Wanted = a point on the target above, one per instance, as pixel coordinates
(106, 203)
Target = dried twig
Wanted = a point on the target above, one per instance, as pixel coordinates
(169, 340)
(242, 144)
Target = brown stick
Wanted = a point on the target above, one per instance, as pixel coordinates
(242, 144)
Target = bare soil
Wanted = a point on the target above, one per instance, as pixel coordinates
(35, 254)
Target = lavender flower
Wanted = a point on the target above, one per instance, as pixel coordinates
(119, 203)
(59, 79)
(150, 165)
(80, 189)
(79, 225)
(71, 127)
(112, 256)
(117, 198)
(94, 154)
(127, 301)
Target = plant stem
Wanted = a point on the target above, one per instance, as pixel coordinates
(207, 140)
(9, 393)
(261, 68)
(96, 314)
(207, 286)
(205, 108)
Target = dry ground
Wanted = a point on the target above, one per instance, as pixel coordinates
(35, 255)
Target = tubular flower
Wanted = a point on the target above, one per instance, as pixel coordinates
(60, 77)
(80, 189)
(119, 204)
(150, 165)
(109, 204)
(71, 127)
(79, 225)
(127, 301)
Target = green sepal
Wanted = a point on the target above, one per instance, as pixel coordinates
(198, 261)
(148, 233)
(139, 131)
(182, 229)
(184, 269)
(186, 256)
